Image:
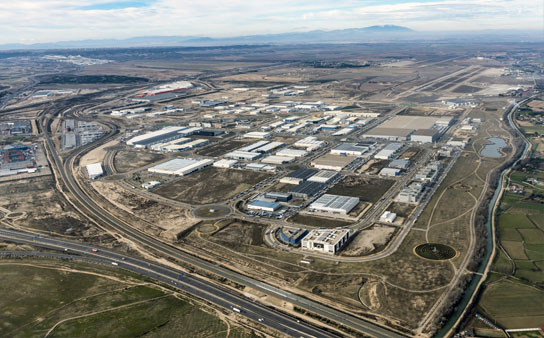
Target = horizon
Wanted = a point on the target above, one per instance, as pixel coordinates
(54, 21)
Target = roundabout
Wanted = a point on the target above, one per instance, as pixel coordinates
(212, 211)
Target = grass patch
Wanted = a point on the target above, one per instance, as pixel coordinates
(316, 221)
(367, 189)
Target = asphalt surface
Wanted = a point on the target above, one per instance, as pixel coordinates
(188, 283)
(87, 205)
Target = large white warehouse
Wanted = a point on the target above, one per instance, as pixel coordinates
(94, 170)
(335, 204)
(180, 166)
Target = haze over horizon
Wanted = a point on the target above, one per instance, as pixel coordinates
(63, 20)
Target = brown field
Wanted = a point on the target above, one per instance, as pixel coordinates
(128, 160)
(367, 189)
(211, 185)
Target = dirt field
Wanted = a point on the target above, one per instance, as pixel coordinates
(210, 185)
(240, 232)
(42, 208)
(221, 148)
(127, 160)
(368, 240)
(168, 219)
(367, 189)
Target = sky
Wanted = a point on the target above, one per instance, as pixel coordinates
(33, 21)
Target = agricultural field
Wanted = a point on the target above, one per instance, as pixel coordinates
(211, 185)
(514, 297)
(68, 299)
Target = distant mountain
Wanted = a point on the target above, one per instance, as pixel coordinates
(385, 33)
(340, 35)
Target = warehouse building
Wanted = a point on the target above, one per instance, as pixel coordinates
(390, 134)
(335, 204)
(260, 167)
(332, 162)
(328, 241)
(388, 151)
(388, 217)
(411, 193)
(274, 159)
(252, 147)
(94, 170)
(161, 136)
(161, 146)
(278, 196)
(323, 176)
(268, 147)
(292, 152)
(400, 164)
(257, 134)
(225, 164)
(311, 143)
(180, 166)
(351, 149)
(425, 135)
(298, 176)
(292, 236)
(261, 205)
(389, 172)
(307, 189)
(243, 155)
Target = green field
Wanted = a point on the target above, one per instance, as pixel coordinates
(515, 301)
(513, 304)
(76, 300)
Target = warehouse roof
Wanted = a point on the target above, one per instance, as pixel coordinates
(426, 132)
(307, 188)
(330, 202)
(302, 173)
(381, 131)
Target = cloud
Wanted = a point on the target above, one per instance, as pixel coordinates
(56, 20)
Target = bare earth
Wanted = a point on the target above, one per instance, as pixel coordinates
(367, 240)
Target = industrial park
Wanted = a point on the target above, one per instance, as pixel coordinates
(274, 195)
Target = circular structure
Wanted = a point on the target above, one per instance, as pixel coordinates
(212, 211)
(435, 251)
(462, 187)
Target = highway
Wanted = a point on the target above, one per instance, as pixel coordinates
(184, 282)
(87, 206)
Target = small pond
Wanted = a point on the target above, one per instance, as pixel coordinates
(492, 150)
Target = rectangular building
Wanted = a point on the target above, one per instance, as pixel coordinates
(307, 189)
(323, 176)
(425, 135)
(278, 196)
(292, 152)
(335, 204)
(273, 159)
(225, 164)
(298, 176)
(180, 166)
(159, 136)
(94, 170)
(351, 149)
(263, 205)
(328, 241)
(257, 134)
(332, 162)
(391, 134)
(390, 172)
(242, 155)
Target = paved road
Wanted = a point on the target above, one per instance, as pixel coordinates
(187, 283)
(95, 212)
